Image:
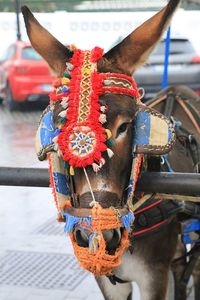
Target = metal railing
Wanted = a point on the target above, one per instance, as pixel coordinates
(159, 182)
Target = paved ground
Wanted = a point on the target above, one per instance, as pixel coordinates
(36, 258)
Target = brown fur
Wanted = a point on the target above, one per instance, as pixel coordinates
(134, 50)
(46, 44)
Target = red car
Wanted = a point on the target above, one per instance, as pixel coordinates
(24, 76)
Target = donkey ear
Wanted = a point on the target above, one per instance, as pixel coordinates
(134, 50)
(55, 53)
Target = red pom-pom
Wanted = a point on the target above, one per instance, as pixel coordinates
(96, 54)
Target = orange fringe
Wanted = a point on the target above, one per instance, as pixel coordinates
(100, 262)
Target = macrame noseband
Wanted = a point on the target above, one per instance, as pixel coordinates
(77, 139)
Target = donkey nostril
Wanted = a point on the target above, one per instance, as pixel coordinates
(108, 235)
(112, 238)
(81, 237)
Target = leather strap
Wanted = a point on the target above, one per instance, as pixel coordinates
(114, 279)
(151, 219)
(195, 254)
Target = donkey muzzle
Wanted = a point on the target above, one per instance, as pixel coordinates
(112, 238)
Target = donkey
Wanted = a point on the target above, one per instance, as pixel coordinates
(148, 259)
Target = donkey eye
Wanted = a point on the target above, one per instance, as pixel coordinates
(122, 128)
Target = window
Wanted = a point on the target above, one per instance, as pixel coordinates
(30, 54)
(177, 46)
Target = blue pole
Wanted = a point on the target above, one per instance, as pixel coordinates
(166, 61)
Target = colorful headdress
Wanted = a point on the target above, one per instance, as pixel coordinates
(77, 139)
(82, 138)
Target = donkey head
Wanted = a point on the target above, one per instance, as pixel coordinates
(92, 115)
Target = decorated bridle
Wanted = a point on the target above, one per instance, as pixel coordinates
(77, 139)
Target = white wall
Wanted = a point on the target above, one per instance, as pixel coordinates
(86, 30)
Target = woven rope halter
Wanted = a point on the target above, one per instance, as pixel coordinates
(80, 141)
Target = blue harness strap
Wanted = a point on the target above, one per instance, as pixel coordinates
(191, 231)
(166, 61)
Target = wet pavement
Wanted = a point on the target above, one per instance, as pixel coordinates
(36, 258)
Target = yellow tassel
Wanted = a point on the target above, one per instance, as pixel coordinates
(109, 133)
(72, 47)
(65, 80)
(71, 171)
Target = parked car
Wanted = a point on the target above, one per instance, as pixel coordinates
(183, 68)
(24, 76)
